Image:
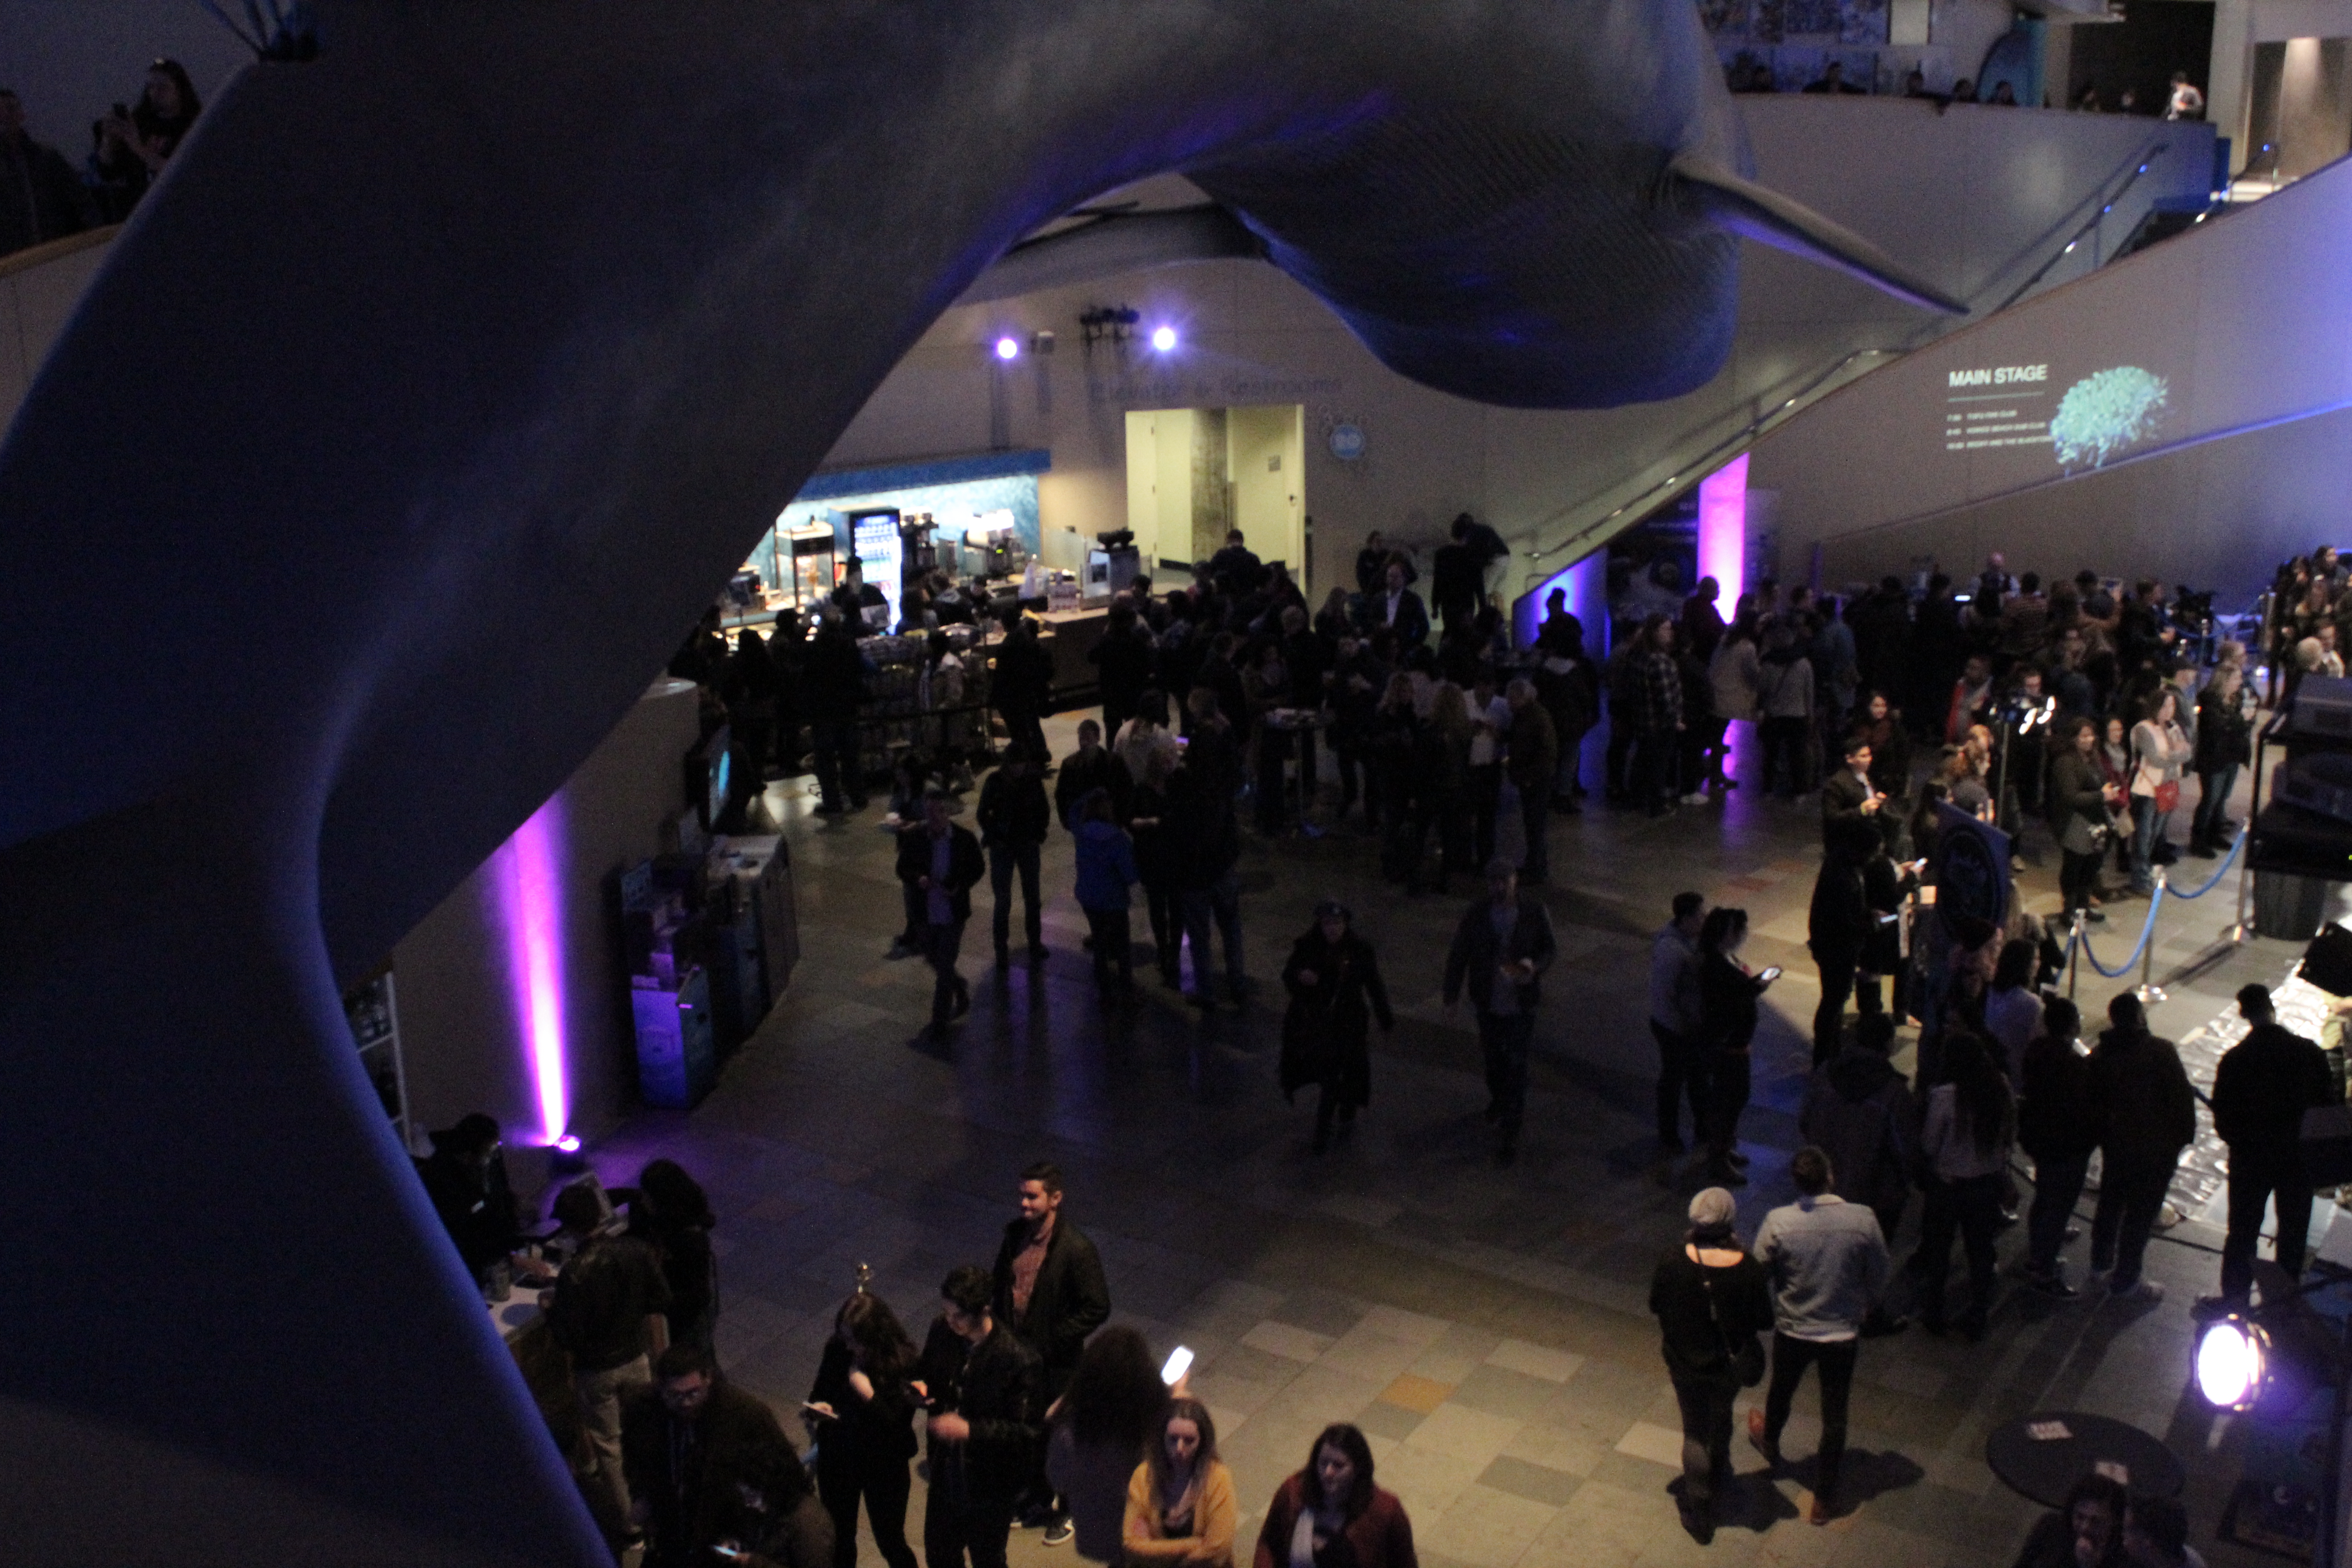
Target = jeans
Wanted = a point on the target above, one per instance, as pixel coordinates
(1503, 1040)
(2212, 807)
(1791, 1357)
(1220, 899)
(1829, 1017)
(2258, 1179)
(883, 1489)
(942, 945)
(1970, 1208)
(956, 1525)
(1163, 904)
(838, 766)
(1534, 815)
(1707, 1433)
(1730, 1079)
(600, 1394)
(1003, 859)
(1486, 800)
(1681, 1073)
(2131, 1195)
(1114, 943)
(2147, 830)
(2057, 1185)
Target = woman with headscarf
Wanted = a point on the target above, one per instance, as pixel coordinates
(1713, 1304)
(1334, 981)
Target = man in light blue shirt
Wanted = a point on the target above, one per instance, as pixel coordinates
(1827, 1264)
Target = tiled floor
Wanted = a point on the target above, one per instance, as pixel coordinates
(1487, 1328)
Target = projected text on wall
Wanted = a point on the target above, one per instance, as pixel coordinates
(2105, 415)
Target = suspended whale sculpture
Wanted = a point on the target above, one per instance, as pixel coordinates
(407, 428)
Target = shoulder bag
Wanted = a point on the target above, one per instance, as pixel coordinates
(1745, 1355)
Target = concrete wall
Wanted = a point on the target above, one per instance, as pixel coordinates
(2246, 322)
(461, 1040)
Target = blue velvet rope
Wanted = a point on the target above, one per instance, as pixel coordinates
(2220, 871)
(2147, 932)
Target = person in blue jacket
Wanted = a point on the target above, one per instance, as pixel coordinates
(1105, 872)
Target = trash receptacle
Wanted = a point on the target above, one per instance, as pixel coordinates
(2289, 908)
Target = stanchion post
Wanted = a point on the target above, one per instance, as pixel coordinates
(2074, 957)
(2149, 993)
(2242, 930)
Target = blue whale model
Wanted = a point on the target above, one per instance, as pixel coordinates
(409, 424)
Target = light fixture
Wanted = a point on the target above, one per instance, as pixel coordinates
(1008, 347)
(568, 1144)
(2234, 1363)
(527, 889)
(1163, 339)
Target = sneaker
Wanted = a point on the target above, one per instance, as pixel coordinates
(2141, 1290)
(1059, 1532)
(2053, 1286)
(1762, 1443)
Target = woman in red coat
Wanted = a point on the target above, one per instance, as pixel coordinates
(1329, 1515)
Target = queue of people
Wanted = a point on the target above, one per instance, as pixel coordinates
(44, 197)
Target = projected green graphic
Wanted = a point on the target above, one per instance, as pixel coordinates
(2103, 415)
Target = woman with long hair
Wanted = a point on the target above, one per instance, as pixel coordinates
(1712, 1301)
(2159, 751)
(2081, 802)
(1442, 787)
(1334, 981)
(1098, 1431)
(134, 147)
(863, 1412)
(1390, 742)
(2224, 745)
(1180, 1510)
(1881, 724)
(1331, 1515)
(1971, 1124)
(667, 1209)
(1728, 991)
(1145, 744)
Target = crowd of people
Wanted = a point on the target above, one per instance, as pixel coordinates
(44, 195)
(1749, 73)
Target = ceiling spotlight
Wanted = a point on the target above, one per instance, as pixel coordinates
(1008, 347)
(2233, 1358)
(1163, 339)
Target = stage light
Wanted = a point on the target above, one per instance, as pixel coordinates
(1163, 339)
(2234, 1363)
(1008, 348)
(568, 1144)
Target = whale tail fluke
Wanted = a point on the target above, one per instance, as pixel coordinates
(1745, 207)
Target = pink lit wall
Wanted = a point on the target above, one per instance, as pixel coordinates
(527, 884)
(1723, 530)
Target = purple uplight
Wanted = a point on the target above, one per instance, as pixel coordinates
(1722, 531)
(529, 889)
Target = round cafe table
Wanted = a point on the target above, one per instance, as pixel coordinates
(2042, 1455)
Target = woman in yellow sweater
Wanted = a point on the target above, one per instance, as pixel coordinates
(1179, 1504)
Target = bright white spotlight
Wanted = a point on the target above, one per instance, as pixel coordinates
(2233, 1363)
(1163, 339)
(1008, 348)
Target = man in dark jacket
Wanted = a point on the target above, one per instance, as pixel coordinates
(1092, 766)
(1013, 815)
(708, 1465)
(1123, 662)
(1848, 796)
(832, 681)
(606, 1312)
(1862, 1113)
(466, 1178)
(1836, 926)
(2261, 1090)
(2058, 1127)
(1500, 951)
(2148, 1114)
(1533, 765)
(1023, 685)
(941, 860)
(1400, 609)
(41, 198)
(1049, 1290)
(1234, 569)
(981, 1387)
(1200, 804)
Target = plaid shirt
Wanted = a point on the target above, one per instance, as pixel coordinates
(1662, 692)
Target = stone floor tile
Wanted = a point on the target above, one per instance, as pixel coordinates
(1456, 1354)
(1499, 1391)
(1659, 1445)
(1535, 1360)
(1465, 1434)
(1289, 1341)
(1414, 1328)
(1487, 1528)
(1415, 1393)
(1537, 1483)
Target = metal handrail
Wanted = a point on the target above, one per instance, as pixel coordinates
(1707, 459)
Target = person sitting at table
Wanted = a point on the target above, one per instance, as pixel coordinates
(2086, 1532)
(466, 1178)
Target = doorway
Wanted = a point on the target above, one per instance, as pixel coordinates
(1194, 473)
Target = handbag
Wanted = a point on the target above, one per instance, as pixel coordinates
(2167, 795)
(1747, 1359)
(2080, 838)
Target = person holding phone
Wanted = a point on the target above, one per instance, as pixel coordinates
(1728, 991)
(861, 1411)
(1500, 951)
(1180, 1511)
(1098, 1430)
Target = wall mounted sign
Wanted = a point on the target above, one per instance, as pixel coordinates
(1346, 441)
